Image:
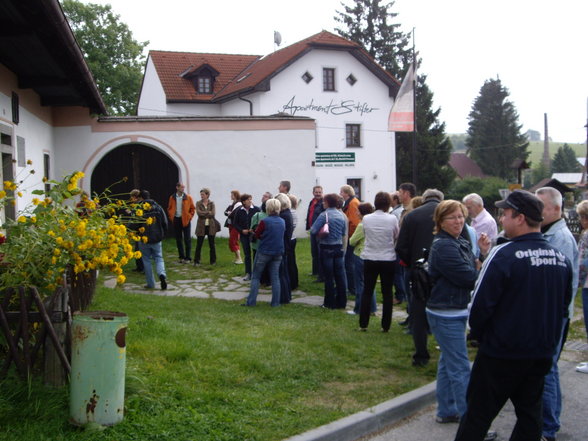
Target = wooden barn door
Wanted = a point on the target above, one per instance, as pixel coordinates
(144, 167)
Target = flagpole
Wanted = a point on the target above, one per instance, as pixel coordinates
(414, 130)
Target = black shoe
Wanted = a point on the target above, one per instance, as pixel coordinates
(403, 323)
(420, 363)
(446, 420)
(163, 282)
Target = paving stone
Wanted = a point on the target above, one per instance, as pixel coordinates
(309, 300)
(224, 295)
(206, 280)
(110, 282)
(196, 294)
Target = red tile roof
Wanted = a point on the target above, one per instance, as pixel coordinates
(170, 65)
(464, 166)
(242, 74)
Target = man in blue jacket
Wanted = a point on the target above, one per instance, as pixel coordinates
(519, 304)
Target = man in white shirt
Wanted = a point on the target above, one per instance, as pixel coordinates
(482, 221)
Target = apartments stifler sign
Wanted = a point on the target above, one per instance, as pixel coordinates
(336, 108)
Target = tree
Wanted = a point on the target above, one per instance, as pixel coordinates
(565, 160)
(114, 57)
(494, 134)
(487, 188)
(369, 23)
(433, 146)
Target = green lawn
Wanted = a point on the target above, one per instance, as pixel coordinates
(536, 149)
(202, 369)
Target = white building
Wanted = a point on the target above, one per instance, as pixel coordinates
(324, 77)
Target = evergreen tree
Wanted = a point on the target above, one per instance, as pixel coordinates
(114, 57)
(370, 24)
(494, 134)
(433, 146)
(565, 160)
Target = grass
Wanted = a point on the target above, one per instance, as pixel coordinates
(204, 369)
(536, 149)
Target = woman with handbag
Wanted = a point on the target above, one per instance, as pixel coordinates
(233, 233)
(330, 230)
(205, 226)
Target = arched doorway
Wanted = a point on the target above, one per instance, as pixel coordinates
(144, 167)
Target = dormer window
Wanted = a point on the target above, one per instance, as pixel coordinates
(202, 77)
(204, 85)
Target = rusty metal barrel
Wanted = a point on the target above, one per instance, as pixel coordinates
(98, 360)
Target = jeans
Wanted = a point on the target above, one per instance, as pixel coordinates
(316, 260)
(399, 282)
(211, 246)
(585, 306)
(152, 251)
(358, 278)
(246, 242)
(453, 370)
(552, 391)
(349, 269)
(261, 262)
(183, 238)
(335, 280)
(373, 269)
(285, 291)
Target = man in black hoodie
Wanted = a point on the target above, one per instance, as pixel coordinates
(150, 244)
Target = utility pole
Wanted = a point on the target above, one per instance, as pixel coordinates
(546, 155)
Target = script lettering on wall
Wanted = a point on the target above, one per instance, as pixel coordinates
(342, 107)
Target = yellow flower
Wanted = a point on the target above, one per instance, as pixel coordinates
(142, 229)
(149, 220)
(19, 194)
(34, 219)
(22, 219)
(121, 279)
(36, 201)
(144, 239)
(139, 212)
(2, 194)
(29, 162)
(146, 206)
(137, 254)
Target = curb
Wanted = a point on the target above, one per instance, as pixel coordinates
(372, 419)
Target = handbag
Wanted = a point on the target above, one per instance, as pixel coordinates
(324, 231)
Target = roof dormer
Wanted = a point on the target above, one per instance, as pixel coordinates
(202, 78)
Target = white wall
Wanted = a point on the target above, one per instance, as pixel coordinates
(152, 97)
(251, 161)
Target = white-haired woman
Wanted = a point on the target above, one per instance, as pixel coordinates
(270, 233)
(582, 210)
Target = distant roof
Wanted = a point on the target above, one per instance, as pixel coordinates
(465, 166)
(551, 182)
(37, 44)
(243, 74)
(568, 178)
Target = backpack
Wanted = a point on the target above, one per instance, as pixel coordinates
(420, 281)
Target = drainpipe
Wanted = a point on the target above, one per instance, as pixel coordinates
(250, 105)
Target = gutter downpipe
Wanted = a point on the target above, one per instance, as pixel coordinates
(250, 105)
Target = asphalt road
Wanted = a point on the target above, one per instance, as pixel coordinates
(574, 419)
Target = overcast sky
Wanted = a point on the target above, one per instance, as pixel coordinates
(537, 47)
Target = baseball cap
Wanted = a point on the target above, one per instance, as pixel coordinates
(525, 203)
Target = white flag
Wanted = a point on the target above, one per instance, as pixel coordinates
(401, 117)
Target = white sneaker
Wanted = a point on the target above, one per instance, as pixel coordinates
(238, 262)
(582, 367)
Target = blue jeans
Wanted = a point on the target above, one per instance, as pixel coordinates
(349, 270)
(585, 306)
(358, 278)
(552, 391)
(149, 252)
(259, 264)
(399, 282)
(335, 280)
(453, 370)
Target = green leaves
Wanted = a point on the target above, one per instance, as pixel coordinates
(115, 58)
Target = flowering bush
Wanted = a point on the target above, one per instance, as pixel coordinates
(53, 235)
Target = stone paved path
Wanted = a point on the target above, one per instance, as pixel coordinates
(229, 288)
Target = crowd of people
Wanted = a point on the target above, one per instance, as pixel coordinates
(515, 288)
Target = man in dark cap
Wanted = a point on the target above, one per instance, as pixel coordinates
(518, 307)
